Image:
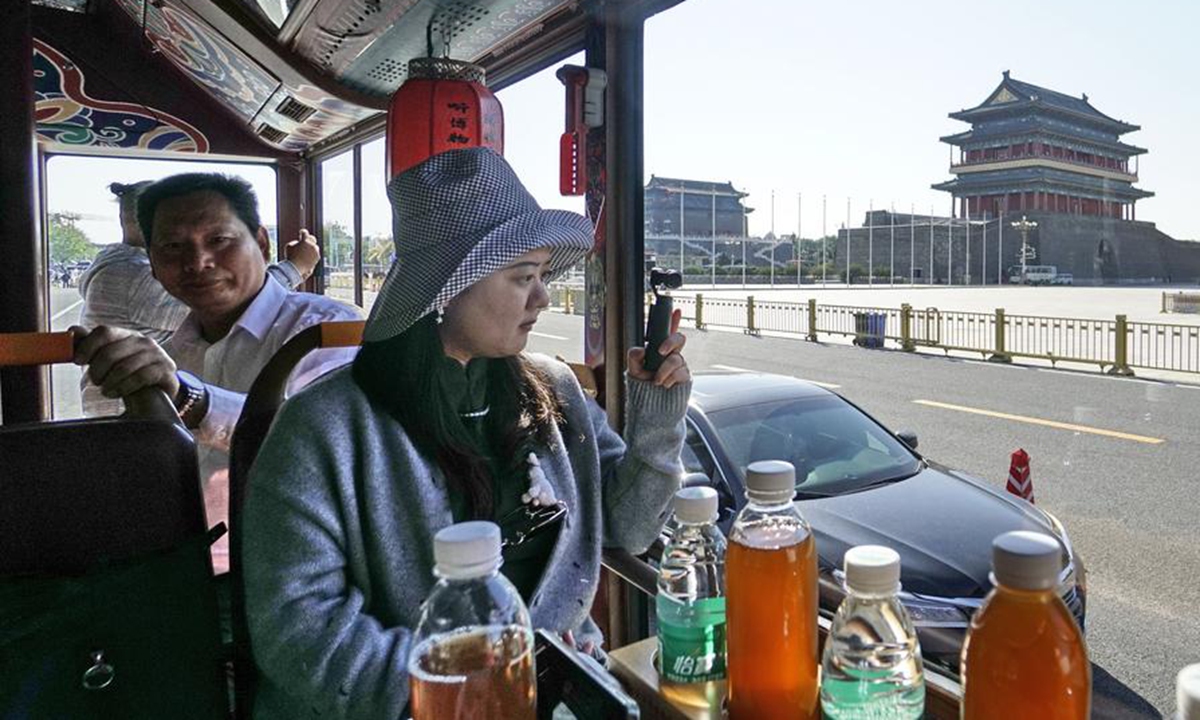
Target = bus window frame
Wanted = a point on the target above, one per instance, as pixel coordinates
(48, 154)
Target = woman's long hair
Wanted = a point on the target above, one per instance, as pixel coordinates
(401, 375)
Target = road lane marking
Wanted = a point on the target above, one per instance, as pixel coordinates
(548, 336)
(1045, 423)
(734, 368)
(64, 312)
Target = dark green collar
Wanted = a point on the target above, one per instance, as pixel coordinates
(466, 387)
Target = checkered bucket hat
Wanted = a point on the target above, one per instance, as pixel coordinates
(458, 217)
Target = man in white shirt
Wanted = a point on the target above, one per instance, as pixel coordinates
(119, 288)
(208, 249)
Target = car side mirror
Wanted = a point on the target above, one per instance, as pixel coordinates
(908, 437)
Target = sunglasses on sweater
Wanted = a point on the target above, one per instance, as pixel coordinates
(526, 522)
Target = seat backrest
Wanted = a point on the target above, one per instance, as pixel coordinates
(258, 412)
(107, 604)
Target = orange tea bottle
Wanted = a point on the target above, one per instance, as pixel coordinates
(771, 602)
(1024, 656)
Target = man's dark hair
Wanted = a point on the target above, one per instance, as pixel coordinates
(127, 194)
(237, 191)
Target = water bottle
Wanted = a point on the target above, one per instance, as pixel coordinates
(691, 592)
(771, 581)
(872, 666)
(473, 648)
(1187, 693)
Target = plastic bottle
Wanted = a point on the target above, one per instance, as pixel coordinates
(691, 592)
(1024, 655)
(872, 665)
(473, 649)
(1187, 693)
(771, 584)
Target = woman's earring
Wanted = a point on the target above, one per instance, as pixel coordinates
(441, 315)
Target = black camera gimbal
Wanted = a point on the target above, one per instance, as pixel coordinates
(658, 324)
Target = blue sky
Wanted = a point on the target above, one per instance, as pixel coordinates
(842, 99)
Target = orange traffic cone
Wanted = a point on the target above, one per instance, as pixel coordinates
(1019, 481)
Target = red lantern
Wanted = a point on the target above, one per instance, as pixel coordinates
(443, 105)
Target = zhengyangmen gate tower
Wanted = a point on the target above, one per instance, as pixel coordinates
(1060, 161)
(1032, 149)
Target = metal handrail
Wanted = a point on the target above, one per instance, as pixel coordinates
(1115, 345)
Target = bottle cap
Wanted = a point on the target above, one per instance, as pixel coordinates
(696, 505)
(771, 481)
(1026, 560)
(1187, 693)
(467, 550)
(873, 570)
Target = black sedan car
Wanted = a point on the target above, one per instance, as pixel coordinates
(858, 483)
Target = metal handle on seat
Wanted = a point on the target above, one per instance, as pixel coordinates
(151, 403)
(100, 675)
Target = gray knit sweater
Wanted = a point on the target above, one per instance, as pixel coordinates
(339, 523)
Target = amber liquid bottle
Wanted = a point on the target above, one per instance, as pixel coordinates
(472, 656)
(771, 602)
(1024, 656)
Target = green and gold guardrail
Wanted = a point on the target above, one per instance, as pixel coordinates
(1116, 346)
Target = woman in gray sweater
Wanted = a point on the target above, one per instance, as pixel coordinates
(443, 418)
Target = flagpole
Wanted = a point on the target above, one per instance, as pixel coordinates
(799, 234)
(892, 261)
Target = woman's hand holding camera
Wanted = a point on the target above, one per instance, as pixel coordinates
(674, 369)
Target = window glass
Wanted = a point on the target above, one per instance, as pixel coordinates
(378, 249)
(84, 221)
(337, 225)
(834, 447)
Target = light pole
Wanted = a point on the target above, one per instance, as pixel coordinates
(1027, 253)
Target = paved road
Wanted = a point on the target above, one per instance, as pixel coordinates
(1127, 496)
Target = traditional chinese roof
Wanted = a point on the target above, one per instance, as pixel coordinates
(1016, 96)
(699, 187)
(1044, 180)
(1031, 130)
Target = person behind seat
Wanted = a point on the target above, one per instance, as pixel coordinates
(209, 250)
(119, 288)
(443, 418)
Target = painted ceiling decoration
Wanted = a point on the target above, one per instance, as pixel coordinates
(206, 56)
(292, 118)
(67, 115)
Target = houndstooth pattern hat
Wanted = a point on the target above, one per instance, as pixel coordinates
(458, 217)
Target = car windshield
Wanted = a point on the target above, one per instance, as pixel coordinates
(834, 446)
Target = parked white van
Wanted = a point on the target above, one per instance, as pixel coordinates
(1034, 274)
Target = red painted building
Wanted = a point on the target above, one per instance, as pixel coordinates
(1031, 149)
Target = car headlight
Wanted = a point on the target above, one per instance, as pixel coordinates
(1074, 575)
(933, 612)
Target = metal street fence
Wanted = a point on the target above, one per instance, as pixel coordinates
(1116, 346)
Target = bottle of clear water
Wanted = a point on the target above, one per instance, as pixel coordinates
(691, 592)
(1187, 693)
(872, 666)
(473, 648)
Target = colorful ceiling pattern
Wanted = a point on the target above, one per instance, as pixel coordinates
(67, 115)
(206, 56)
(238, 81)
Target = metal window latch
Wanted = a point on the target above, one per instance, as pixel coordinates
(100, 675)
